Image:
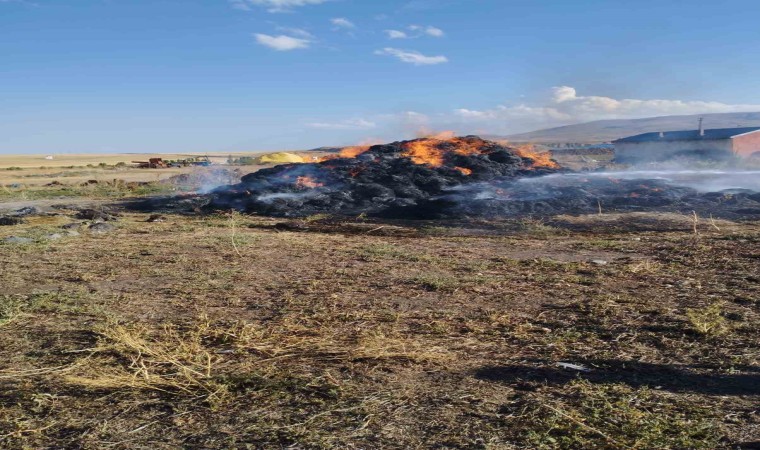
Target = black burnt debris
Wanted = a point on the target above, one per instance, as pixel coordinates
(458, 178)
(550, 196)
(402, 179)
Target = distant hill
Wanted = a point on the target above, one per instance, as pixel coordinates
(609, 130)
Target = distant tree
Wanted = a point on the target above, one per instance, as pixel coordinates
(245, 161)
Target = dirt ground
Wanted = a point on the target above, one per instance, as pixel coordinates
(228, 331)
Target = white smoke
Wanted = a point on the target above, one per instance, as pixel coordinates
(269, 198)
(700, 180)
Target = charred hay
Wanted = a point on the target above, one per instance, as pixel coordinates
(460, 178)
(393, 180)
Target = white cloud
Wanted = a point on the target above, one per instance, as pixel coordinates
(433, 31)
(343, 125)
(417, 31)
(563, 93)
(342, 22)
(566, 99)
(274, 6)
(412, 57)
(299, 32)
(565, 107)
(396, 34)
(282, 43)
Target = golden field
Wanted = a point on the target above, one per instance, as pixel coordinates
(30, 171)
(83, 159)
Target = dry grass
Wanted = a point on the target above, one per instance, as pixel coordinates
(198, 361)
(32, 172)
(167, 334)
(173, 361)
(10, 308)
(709, 321)
(615, 416)
(94, 159)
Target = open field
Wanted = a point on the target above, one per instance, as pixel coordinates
(83, 177)
(227, 331)
(35, 185)
(36, 177)
(83, 159)
(32, 171)
(35, 169)
(24, 172)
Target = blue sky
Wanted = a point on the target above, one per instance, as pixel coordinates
(236, 75)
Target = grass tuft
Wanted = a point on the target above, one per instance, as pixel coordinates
(436, 283)
(171, 361)
(10, 309)
(708, 321)
(612, 416)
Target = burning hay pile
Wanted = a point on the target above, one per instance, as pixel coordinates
(404, 179)
(465, 177)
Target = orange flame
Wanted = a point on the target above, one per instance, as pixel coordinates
(347, 152)
(539, 159)
(308, 182)
(466, 148)
(464, 170)
(431, 151)
(424, 151)
(353, 152)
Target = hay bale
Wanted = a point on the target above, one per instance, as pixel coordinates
(279, 158)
